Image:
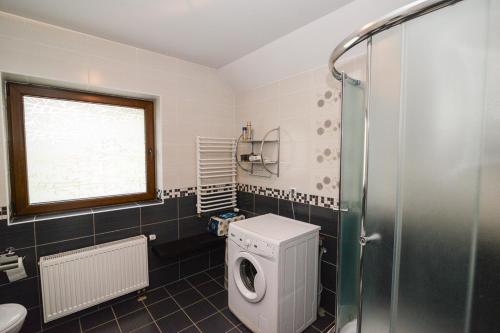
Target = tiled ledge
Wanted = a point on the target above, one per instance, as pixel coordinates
(96, 210)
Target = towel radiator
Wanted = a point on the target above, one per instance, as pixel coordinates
(216, 173)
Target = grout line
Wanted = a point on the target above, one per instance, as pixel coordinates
(64, 240)
(116, 319)
(158, 222)
(182, 309)
(219, 311)
(154, 321)
(128, 313)
(101, 324)
(80, 325)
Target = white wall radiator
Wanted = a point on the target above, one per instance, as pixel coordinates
(216, 173)
(75, 280)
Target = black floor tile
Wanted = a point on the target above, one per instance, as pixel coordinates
(244, 329)
(210, 288)
(174, 322)
(194, 265)
(67, 319)
(199, 279)
(177, 287)
(230, 316)
(161, 276)
(163, 308)
(69, 327)
(219, 300)
(200, 310)
(151, 328)
(323, 322)
(32, 322)
(127, 307)
(311, 329)
(97, 318)
(155, 296)
(215, 324)
(111, 327)
(217, 256)
(220, 280)
(190, 329)
(188, 297)
(134, 320)
(216, 271)
(118, 300)
(234, 330)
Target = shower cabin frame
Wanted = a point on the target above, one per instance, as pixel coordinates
(395, 18)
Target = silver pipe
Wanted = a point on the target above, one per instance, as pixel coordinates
(396, 17)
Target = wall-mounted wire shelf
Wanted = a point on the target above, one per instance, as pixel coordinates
(268, 164)
(216, 169)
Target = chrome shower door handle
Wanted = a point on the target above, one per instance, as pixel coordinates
(363, 240)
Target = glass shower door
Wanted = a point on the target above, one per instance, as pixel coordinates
(351, 203)
(426, 114)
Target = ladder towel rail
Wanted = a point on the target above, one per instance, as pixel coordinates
(216, 173)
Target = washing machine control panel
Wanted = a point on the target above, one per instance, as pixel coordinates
(252, 244)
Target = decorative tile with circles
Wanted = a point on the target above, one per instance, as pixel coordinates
(328, 101)
(324, 183)
(326, 156)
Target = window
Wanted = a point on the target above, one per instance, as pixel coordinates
(73, 150)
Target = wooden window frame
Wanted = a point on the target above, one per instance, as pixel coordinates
(17, 148)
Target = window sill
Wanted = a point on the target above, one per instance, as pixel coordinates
(96, 210)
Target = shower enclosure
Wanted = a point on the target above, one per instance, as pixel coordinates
(419, 232)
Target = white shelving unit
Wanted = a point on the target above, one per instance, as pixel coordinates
(216, 170)
(268, 165)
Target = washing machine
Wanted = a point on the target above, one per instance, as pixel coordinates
(273, 273)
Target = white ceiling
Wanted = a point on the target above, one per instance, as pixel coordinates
(209, 32)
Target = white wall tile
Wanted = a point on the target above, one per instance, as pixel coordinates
(22, 57)
(300, 82)
(191, 99)
(306, 106)
(110, 74)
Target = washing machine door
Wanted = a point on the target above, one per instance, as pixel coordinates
(249, 277)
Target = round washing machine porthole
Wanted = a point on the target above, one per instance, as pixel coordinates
(249, 277)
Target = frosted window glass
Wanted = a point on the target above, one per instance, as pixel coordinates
(77, 150)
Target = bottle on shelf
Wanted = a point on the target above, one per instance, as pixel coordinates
(244, 133)
(249, 131)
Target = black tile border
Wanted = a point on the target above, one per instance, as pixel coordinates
(311, 199)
